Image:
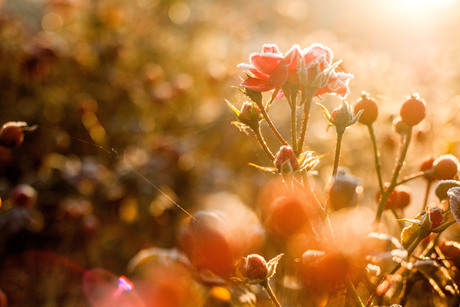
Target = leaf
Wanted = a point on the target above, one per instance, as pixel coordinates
(409, 235)
(265, 168)
(326, 113)
(234, 109)
(242, 127)
(307, 161)
(272, 264)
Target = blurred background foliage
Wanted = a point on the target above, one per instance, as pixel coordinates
(129, 97)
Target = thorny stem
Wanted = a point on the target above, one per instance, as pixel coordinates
(394, 177)
(309, 94)
(293, 105)
(427, 193)
(411, 177)
(338, 145)
(348, 283)
(268, 120)
(262, 143)
(270, 292)
(378, 167)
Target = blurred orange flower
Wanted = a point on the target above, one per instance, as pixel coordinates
(216, 238)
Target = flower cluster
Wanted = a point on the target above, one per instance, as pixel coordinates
(311, 67)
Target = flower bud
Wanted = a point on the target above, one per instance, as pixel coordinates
(443, 186)
(344, 191)
(369, 107)
(399, 126)
(413, 110)
(256, 267)
(286, 159)
(436, 217)
(24, 196)
(250, 115)
(445, 167)
(454, 202)
(342, 116)
(12, 134)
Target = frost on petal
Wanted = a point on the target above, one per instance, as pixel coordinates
(292, 56)
(265, 62)
(338, 85)
(257, 85)
(281, 73)
(271, 48)
(316, 51)
(244, 66)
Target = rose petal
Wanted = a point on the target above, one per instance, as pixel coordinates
(265, 62)
(271, 48)
(318, 51)
(338, 85)
(257, 85)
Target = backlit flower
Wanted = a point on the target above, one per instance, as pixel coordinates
(270, 69)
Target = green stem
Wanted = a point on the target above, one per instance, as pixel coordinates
(410, 250)
(427, 194)
(262, 143)
(337, 151)
(309, 94)
(268, 120)
(398, 218)
(325, 219)
(270, 292)
(293, 105)
(351, 290)
(378, 167)
(411, 177)
(394, 177)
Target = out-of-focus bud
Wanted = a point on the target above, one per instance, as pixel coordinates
(369, 107)
(400, 127)
(443, 186)
(426, 166)
(344, 190)
(216, 238)
(436, 217)
(12, 134)
(286, 160)
(445, 167)
(323, 272)
(256, 267)
(399, 198)
(3, 299)
(454, 202)
(286, 210)
(24, 196)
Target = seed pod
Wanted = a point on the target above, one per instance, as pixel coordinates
(427, 165)
(445, 167)
(413, 110)
(369, 107)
